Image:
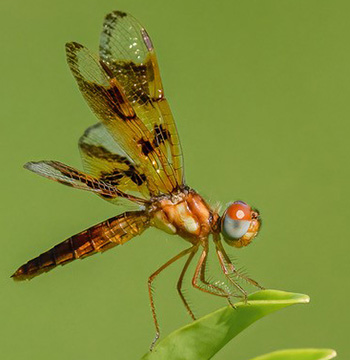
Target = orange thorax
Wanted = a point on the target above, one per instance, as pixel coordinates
(186, 214)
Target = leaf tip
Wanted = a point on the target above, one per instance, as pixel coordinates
(305, 299)
(332, 354)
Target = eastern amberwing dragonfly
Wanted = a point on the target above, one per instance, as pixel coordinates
(134, 154)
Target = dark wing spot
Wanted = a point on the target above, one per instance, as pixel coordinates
(120, 13)
(111, 18)
(113, 96)
(110, 98)
(160, 135)
(132, 78)
(119, 104)
(71, 47)
(112, 178)
(146, 146)
(101, 152)
(137, 178)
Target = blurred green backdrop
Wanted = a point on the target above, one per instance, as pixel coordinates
(260, 91)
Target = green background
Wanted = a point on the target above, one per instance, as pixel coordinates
(260, 92)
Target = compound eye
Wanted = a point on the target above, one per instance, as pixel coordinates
(239, 210)
(237, 220)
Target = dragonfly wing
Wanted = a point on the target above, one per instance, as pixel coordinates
(125, 99)
(70, 176)
(127, 49)
(104, 159)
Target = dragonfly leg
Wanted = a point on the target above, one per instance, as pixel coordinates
(199, 281)
(179, 283)
(151, 289)
(229, 269)
(249, 280)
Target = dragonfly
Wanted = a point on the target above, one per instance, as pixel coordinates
(133, 155)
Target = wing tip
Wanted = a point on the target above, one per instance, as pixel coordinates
(30, 165)
(120, 13)
(40, 167)
(116, 14)
(73, 46)
(112, 18)
(88, 131)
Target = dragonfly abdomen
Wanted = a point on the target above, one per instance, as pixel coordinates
(101, 237)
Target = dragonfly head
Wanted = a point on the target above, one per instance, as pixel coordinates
(240, 224)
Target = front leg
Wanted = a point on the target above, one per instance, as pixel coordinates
(228, 268)
(200, 283)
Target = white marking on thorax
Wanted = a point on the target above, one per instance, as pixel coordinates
(189, 223)
(162, 223)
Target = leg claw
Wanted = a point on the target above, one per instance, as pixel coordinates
(233, 306)
(154, 342)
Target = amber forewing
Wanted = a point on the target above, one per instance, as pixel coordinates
(127, 97)
(128, 50)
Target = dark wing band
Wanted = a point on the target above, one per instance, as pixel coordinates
(104, 159)
(69, 176)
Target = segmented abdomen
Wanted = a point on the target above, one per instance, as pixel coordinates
(101, 237)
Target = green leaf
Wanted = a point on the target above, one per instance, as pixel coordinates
(203, 338)
(299, 354)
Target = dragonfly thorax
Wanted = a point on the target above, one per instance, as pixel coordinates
(187, 215)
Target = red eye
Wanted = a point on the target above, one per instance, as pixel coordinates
(239, 211)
